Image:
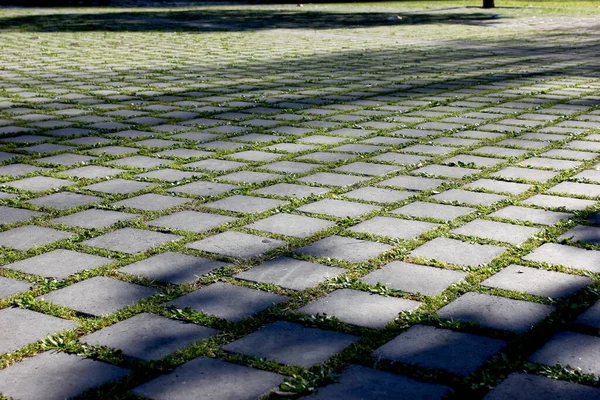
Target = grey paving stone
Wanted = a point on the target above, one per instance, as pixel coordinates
(169, 175)
(291, 190)
(477, 161)
(582, 233)
(400, 158)
(56, 376)
(538, 162)
(499, 151)
(114, 150)
(534, 175)
(184, 153)
(591, 316)
(66, 159)
(457, 252)
(248, 177)
(141, 162)
(467, 197)
(325, 157)
(581, 352)
(92, 172)
(567, 256)
(534, 215)
(4, 196)
(344, 248)
(321, 139)
(95, 219)
(59, 263)
(215, 165)
(192, 221)
(291, 225)
(360, 383)
(39, 183)
(10, 215)
(29, 236)
(290, 273)
(148, 336)
(442, 212)
(6, 156)
(378, 195)
(230, 302)
(570, 154)
(414, 278)
(500, 231)
(446, 171)
(64, 200)
(19, 327)
(236, 244)
(209, 378)
(360, 308)
(537, 281)
(370, 169)
(152, 202)
(413, 182)
(329, 179)
(393, 227)
(430, 347)
(119, 186)
(204, 189)
(19, 169)
(557, 202)
(10, 287)
(292, 344)
(130, 240)
(290, 167)
(519, 386)
(429, 150)
(99, 295)
(174, 268)
(578, 189)
(496, 186)
(338, 208)
(495, 312)
(245, 204)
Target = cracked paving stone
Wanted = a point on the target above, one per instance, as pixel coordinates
(236, 244)
(454, 251)
(99, 295)
(130, 240)
(344, 248)
(59, 263)
(230, 302)
(292, 344)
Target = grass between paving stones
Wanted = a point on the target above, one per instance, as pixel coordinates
(301, 380)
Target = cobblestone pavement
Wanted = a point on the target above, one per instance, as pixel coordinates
(322, 214)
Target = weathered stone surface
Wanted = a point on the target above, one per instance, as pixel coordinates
(567, 256)
(514, 234)
(576, 350)
(29, 236)
(236, 244)
(291, 225)
(130, 240)
(457, 252)
(345, 248)
(519, 386)
(393, 227)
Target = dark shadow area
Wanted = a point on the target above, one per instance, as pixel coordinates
(230, 20)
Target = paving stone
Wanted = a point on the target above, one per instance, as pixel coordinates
(215, 165)
(292, 344)
(291, 190)
(567, 256)
(413, 182)
(471, 198)
(168, 175)
(534, 215)
(236, 244)
(141, 162)
(119, 186)
(570, 154)
(499, 151)
(249, 177)
(378, 195)
(577, 189)
(19, 169)
(92, 172)
(94, 218)
(591, 316)
(360, 308)
(359, 383)
(534, 175)
(10, 287)
(192, 221)
(184, 153)
(291, 225)
(148, 336)
(429, 150)
(500, 231)
(538, 282)
(29, 236)
(174, 268)
(10, 215)
(39, 183)
(338, 208)
(393, 227)
(204, 189)
(99, 295)
(290, 167)
(474, 160)
(572, 349)
(325, 157)
(442, 212)
(209, 378)
(414, 278)
(400, 158)
(19, 327)
(245, 204)
(114, 150)
(426, 346)
(230, 302)
(290, 273)
(64, 200)
(329, 179)
(59, 263)
(582, 233)
(370, 169)
(56, 376)
(151, 202)
(493, 185)
(537, 162)
(495, 312)
(67, 159)
(344, 248)
(445, 171)
(519, 386)
(457, 252)
(253, 155)
(130, 240)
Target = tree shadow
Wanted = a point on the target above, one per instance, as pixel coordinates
(208, 20)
